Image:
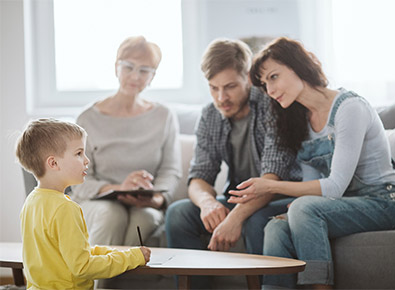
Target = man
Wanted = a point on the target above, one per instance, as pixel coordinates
(237, 128)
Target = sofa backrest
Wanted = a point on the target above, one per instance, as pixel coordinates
(187, 149)
(391, 139)
(387, 116)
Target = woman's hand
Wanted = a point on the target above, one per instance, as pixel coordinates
(136, 180)
(251, 189)
(155, 201)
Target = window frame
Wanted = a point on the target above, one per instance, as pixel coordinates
(42, 98)
(40, 72)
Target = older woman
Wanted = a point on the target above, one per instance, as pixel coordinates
(132, 143)
(348, 182)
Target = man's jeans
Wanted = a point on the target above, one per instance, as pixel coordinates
(312, 221)
(184, 228)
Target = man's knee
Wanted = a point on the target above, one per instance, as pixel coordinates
(178, 212)
(261, 217)
(257, 219)
(105, 214)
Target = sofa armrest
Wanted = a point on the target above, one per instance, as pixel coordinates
(387, 116)
(187, 143)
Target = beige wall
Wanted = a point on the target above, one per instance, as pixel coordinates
(13, 116)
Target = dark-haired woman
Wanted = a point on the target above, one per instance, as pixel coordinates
(348, 182)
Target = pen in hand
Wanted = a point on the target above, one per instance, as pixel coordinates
(146, 251)
(139, 234)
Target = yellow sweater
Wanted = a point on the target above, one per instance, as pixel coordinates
(56, 251)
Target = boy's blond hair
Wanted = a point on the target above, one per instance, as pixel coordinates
(42, 138)
(140, 47)
(226, 53)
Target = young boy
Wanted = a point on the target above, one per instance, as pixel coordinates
(56, 252)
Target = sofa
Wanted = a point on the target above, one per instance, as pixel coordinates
(367, 260)
(361, 261)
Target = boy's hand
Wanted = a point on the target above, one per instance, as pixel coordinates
(146, 253)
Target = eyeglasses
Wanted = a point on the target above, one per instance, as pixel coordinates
(127, 68)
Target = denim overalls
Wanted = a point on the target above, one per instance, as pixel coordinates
(318, 154)
(314, 220)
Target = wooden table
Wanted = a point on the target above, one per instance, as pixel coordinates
(11, 257)
(184, 263)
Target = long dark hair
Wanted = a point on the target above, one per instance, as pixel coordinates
(292, 121)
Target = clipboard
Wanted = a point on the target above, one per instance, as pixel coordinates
(113, 194)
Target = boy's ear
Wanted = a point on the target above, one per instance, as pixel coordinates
(52, 163)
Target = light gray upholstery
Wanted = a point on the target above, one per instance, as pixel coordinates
(29, 180)
(387, 115)
(365, 261)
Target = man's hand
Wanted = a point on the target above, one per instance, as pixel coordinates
(146, 253)
(225, 235)
(212, 213)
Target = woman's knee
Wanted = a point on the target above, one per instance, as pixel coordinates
(106, 222)
(106, 214)
(276, 232)
(276, 228)
(305, 207)
(147, 217)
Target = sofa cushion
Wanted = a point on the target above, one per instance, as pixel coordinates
(187, 143)
(387, 116)
(187, 150)
(391, 139)
(365, 260)
(187, 116)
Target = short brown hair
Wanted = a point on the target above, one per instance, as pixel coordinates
(225, 53)
(42, 138)
(140, 46)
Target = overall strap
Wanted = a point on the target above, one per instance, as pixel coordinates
(337, 104)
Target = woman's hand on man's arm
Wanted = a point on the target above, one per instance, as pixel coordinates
(258, 187)
(251, 189)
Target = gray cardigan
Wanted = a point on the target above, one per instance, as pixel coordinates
(116, 146)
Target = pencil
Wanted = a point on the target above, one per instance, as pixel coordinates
(139, 233)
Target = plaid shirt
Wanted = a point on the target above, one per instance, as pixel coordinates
(213, 144)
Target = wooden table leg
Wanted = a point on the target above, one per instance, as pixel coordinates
(253, 282)
(184, 282)
(18, 277)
